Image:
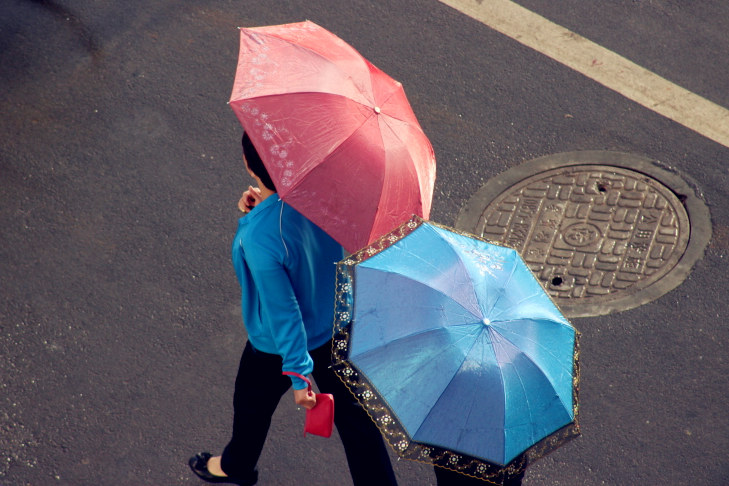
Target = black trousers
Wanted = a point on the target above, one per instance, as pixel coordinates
(259, 387)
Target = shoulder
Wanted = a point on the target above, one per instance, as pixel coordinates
(259, 236)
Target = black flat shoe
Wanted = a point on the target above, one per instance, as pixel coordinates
(199, 465)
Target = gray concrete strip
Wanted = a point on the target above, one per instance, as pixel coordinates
(602, 65)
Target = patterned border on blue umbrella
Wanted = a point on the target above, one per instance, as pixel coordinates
(383, 416)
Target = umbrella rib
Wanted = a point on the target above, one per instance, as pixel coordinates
(418, 333)
(521, 384)
(537, 343)
(303, 175)
(427, 262)
(526, 298)
(501, 294)
(374, 350)
(415, 372)
(544, 348)
(392, 93)
(297, 93)
(511, 320)
(356, 56)
(416, 167)
(458, 258)
(435, 405)
(478, 317)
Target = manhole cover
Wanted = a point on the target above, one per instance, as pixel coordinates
(602, 231)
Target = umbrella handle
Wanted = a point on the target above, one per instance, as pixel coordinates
(298, 375)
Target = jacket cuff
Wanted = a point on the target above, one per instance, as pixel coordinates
(298, 383)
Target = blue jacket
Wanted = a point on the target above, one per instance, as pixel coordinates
(286, 268)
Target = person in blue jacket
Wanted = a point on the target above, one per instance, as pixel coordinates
(286, 268)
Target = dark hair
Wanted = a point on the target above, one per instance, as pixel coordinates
(255, 163)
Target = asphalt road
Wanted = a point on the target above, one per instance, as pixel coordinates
(120, 169)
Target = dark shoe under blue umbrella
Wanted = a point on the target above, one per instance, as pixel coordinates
(456, 351)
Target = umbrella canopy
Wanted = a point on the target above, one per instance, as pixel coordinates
(337, 135)
(456, 350)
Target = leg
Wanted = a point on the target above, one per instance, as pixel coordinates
(369, 462)
(259, 387)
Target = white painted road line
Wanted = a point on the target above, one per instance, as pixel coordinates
(602, 65)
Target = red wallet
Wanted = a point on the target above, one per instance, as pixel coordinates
(320, 419)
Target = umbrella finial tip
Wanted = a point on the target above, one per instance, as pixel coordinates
(377, 110)
(486, 321)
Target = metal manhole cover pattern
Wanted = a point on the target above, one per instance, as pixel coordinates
(591, 232)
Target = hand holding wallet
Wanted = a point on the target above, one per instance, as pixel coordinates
(320, 419)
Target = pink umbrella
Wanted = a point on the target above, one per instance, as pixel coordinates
(336, 134)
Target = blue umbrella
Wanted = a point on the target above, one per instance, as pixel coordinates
(456, 350)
